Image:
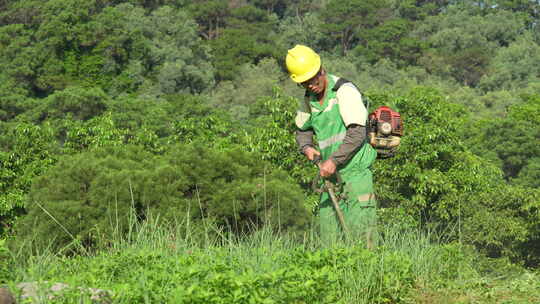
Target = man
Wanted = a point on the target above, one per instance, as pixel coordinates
(333, 110)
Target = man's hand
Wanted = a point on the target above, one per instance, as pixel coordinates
(327, 168)
(310, 152)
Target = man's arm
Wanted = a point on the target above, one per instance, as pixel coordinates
(354, 138)
(304, 139)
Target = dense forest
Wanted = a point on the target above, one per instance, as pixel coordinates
(120, 110)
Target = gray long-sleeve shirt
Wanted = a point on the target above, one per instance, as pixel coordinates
(354, 138)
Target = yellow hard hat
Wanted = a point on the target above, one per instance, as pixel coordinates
(302, 63)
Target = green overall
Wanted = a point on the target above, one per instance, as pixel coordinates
(358, 204)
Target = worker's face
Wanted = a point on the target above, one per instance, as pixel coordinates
(316, 84)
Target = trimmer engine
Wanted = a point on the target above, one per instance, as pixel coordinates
(385, 131)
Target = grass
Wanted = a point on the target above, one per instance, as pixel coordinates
(165, 264)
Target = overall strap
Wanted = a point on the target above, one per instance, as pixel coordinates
(342, 81)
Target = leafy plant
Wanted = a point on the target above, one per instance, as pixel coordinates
(108, 190)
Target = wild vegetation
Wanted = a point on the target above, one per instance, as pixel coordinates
(117, 116)
(157, 263)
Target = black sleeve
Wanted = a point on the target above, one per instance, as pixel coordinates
(304, 139)
(354, 138)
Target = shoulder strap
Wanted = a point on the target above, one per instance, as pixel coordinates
(342, 81)
(339, 83)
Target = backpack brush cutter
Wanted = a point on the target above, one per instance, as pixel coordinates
(385, 128)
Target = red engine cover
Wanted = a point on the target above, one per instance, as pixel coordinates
(386, 114)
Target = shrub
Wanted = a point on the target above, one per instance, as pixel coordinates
(25, 152)
(5, 263)
(103, 192)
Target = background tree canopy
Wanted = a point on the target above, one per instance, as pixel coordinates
(154, 105)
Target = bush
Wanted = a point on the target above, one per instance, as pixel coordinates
(272, 137)
(104, 192)
(387, 275)
(504, 221)
(5, 263)
(436, 181)
(25, 152)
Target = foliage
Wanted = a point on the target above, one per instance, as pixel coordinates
(391, 40)
(393, 276)
(12, 99)
(505, 222)
(420, 178)
(182, 63)
(304, 30)
(210, 15)
(239, 97)
(462, 42)
(5, 263)
(26, 151)
(272, 137)
(346, 20)
(435, 180)
(72, 103)
(418, 10)
(511, 141)
(77, 77)
(118, 48)
(514, 66)
(161, 264)
(248, 38)
(178, 118)
(104, 191)
(261, 267)
(75, 120)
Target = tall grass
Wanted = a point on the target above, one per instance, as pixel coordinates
(186, 263)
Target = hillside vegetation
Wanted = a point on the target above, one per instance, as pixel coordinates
(176, 114)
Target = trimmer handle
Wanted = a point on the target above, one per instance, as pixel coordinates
(329, 187)
(316, 161)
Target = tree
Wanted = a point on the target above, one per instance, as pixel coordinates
(211, 16)
(461, 43)
(511, 141)
(183, 64)
(436, 181)
(252, 82)
(26, 151)
(300, 8)
(271, 137)
(21, 12)
(390, 40)
(530, 7)
(529, 175)
(272, 6)
(416, 10)
(72, 103)
(306, 30)
(118, 48)
(348, 19)
(248, 38)
(13, 99)
(106, 191)
(505, 222)
(513, 67)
